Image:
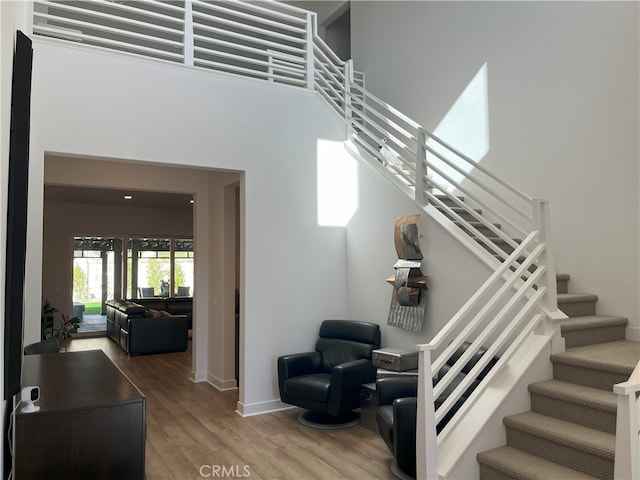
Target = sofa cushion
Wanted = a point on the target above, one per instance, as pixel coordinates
(183, 306)
(157, 335)
(127, 307)
(151, 303)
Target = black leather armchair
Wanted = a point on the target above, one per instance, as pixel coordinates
(327, 381)
(396, 418)
(45, 346)
(397, 409)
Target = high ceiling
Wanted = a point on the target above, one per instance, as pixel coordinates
(115, 197)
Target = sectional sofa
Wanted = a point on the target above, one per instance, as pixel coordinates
(142, 329)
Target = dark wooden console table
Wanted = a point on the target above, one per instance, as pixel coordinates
(91, 422)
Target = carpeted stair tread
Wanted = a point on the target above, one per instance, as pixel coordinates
(521, 465)
(476, 224)
(576, 297)
(578, 437)
(461, 212)
(449, 202)
(577, 394)
(591, 329)
(592, 321)
(577, 304)
(479, 226)
(618, 357)
(587, 406)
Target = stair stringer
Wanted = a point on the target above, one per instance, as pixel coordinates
(504, 393)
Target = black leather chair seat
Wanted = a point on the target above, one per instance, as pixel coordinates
(314, 386)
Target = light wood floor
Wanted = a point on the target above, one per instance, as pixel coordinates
(193, 431)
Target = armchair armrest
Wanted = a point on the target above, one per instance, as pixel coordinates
(390, 388)
(297, 364)
(404, 434)
(346, 381)
(355, 372)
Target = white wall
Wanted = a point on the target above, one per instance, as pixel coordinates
(326, 10)
(113, 106)
(563, 119)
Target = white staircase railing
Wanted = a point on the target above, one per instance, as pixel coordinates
(277, 42)
(627, 464)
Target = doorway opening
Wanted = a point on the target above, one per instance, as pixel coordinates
(97, 274)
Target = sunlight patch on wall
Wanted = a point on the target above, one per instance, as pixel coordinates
(466, 125)
(337, 184)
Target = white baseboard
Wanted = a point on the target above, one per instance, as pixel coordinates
(633, 333)
(221, 384)
(248, 410)
(197, 377)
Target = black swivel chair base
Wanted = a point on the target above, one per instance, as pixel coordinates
(328, 422)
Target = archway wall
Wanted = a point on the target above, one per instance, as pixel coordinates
(92, 104)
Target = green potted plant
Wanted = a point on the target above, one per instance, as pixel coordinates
(46, 320)
(67, 326)
(60, 330)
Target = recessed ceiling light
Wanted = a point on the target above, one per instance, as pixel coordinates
(191, 201)
(128, 197)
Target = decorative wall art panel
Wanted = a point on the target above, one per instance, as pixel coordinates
(408, 300)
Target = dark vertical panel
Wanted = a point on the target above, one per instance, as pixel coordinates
(17, 213)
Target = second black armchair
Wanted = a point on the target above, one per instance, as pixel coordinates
(327, 381)
(396, 412)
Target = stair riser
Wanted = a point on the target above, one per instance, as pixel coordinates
(562, 454)
(571, 412)
(562, 286)
(488, 473)
(578, 309)
(586, 376)
(591, 336)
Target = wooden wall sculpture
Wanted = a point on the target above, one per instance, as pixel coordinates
(408, 300)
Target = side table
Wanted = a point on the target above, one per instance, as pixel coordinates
(368, 405)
